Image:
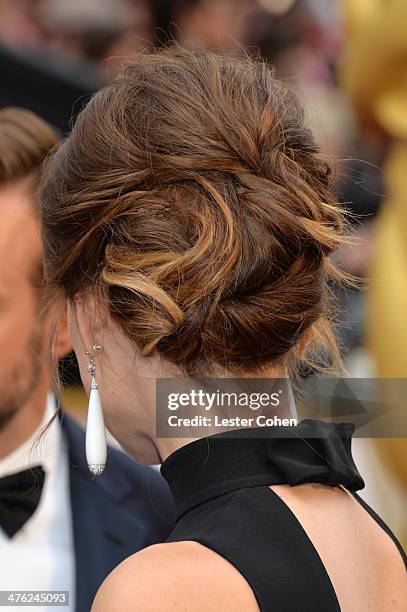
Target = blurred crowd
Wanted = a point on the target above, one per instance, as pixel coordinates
(64, 50)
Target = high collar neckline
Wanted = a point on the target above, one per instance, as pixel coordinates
(313, 451)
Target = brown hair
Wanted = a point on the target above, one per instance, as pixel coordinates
(26, 140)
(190, 195)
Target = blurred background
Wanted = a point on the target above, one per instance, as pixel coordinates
(348, 62)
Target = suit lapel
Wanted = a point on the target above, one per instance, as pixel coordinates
(104, 533)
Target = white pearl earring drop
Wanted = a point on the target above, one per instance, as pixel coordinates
(96, 446)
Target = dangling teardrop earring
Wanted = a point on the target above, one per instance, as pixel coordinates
(96, 446)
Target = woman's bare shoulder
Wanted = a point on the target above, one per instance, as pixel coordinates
(177, 576)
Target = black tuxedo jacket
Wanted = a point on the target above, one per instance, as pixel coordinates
(114, 515)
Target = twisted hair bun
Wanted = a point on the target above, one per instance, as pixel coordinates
(191, 193)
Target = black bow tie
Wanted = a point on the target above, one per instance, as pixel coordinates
(19, 497)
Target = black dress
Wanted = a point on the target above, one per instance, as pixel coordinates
(220, 486)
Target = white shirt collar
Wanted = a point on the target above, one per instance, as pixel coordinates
(37, 449)
(41, 555)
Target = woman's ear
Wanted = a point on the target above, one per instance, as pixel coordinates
(85, 323)
(62, 343)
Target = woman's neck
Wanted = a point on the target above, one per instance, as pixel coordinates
(200, 419)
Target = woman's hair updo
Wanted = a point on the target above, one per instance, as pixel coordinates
(191, 197)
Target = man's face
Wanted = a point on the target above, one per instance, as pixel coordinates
(23, 334)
